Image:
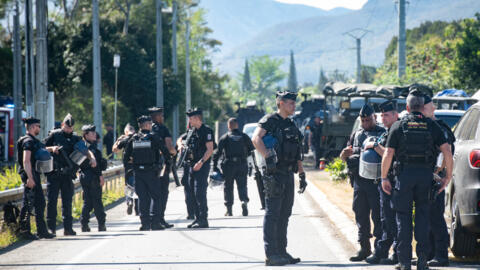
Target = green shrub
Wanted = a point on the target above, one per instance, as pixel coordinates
(337, 169)
(10, 178)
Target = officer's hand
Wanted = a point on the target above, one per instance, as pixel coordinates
(346, 152)
(93, 163)
(30, 183)
(56, 149)
(102, 181)
(303, 183)
(197, 166)
(387, 186)
(445, 181)
(369, 145)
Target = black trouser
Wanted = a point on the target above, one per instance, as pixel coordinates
(235, 172)
(389, 226)
(92, 198)
(366, 205)
(188, 191)
(198, 191)
(317, 153)
(277, 212)
(164, 184)
(412, 185)
(33, 198)
(147, 187)
(59, 183)
(439, 238)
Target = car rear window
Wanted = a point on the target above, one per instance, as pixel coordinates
(468, 128)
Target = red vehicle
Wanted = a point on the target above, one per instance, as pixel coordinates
(7, 142)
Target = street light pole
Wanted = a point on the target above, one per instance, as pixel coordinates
(159, 92)
(116, 65)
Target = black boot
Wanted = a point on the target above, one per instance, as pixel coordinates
(192, 224)
(363, 253)
(401, 266)
(393, 259)
(166, 224)
(438, 262)
(244, 209)
(229, 211)
(291, 259)
(373, 259)
(157, 227)
(422, 262)
(201, 224)
(45, 235)
(69, 232)
(102, 227)
(85, 228)
(276, 260)
(145, 227)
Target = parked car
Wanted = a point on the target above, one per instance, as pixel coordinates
(451, 117)
(463, 193)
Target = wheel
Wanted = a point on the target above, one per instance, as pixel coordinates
(462, 242)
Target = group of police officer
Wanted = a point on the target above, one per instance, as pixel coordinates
(60, 156)
(413, 168)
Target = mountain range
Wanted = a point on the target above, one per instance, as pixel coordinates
(317, 37)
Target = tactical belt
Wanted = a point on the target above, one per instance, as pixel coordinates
(145, 167)
(235, 159)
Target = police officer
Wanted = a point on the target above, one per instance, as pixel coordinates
(61, 142)
(91, 179)
(27, 147)
(366, 199)
(234, 148)
(389, 116)
(413, 141)
(281, 163)
(200, 159)
(120, 144)
(159, 129)
(146, 153)
(439, 238)
(315, 138)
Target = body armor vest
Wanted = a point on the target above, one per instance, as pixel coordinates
(142, 150)
(416, 143)
(235, 147)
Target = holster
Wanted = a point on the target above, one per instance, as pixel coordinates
(433, 194)
(273, 189)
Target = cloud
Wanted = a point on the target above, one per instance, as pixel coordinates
(328, 4)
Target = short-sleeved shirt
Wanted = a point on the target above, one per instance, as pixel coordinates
(85, 167)
(202, 136)
(27, 143)
(157, 145)
(161, 130)
(396, 133)
(223, 141)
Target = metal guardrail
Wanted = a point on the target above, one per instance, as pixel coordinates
(113, 177)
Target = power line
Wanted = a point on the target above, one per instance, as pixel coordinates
(358, 34)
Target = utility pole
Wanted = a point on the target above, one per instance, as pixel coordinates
(158, 6)
(358, 34)
(175, 114)
(42, 66)
(187, 67)
(29, 59)
(97, 76)
(17, 79)
(402, 38)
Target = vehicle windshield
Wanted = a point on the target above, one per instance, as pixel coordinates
(249, 129)
(451, 120)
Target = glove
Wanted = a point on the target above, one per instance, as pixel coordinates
(303, 183)
(271, 164)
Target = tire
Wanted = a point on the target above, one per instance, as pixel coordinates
(462, 242)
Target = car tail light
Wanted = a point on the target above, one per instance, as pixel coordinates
(475, 158)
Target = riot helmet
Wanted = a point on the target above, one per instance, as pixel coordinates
(370, 162)
(43, 161)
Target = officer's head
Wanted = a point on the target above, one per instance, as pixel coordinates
(129, 129)
(286, 102)
(157, 114)
(195, 117)
(67, 124)
(232, 123)
(415, 101)
(32, 125)
(89, 133)
(109, 127)
(389, 113)
(367, 116)
(428, 107)
(145, 122)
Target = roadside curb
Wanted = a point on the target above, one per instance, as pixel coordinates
(345, 226)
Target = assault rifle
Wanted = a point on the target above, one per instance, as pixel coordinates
(186, 149)
(259, 180)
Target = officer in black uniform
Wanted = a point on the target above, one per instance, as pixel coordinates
(366, 199)
(60, 142)
(203, 142)
(234, 148)
(91, 179)
(281, 163)
(159, 129)
(439, 237)
(120, 144)
(146, 152)
(413, 141)
(389, 226)
(33, 196)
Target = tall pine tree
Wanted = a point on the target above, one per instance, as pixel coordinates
(246, 82)
(292, 83)
(322, 80)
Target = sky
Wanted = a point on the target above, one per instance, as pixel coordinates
(328, 4)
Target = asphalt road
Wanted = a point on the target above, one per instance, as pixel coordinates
(230, 242)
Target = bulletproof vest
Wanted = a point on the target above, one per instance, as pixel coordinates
(416, 143)
(361, 135)
(37, 146)
(67, 144)
(235, 147)
(289, 143)
(142, 149)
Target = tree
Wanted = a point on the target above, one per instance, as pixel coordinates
(292, 83)
(246, 82)
(367, 74)
(467, 59)
(126, 11)
(322, 80)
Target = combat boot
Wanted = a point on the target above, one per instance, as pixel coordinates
(85, 228)
(390, 260)
(363, 253)
(192, 224)
(437, 262)
(157, 227)
(244, 209)
(200, 224)
(229, 211)
(45, 235)
(276, 260)
(28, 236)
(291, 259)
(102, 227)
(166, 224)
(69, 232)
(401, 266)
(373, 259)
(145, 227)
(422, 263)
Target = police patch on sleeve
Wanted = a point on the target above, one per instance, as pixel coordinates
(209, 136)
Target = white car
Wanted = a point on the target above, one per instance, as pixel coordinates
(249, 129)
